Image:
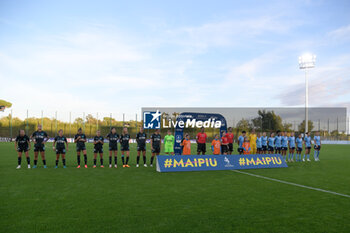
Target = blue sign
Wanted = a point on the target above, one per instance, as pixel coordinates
(151, 120)
(198, 116)
(179, 163)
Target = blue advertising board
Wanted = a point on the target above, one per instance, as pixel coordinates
(178, 163)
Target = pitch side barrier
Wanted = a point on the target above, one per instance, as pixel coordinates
(182, 163)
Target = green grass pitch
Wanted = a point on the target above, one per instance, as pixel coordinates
(143, 200)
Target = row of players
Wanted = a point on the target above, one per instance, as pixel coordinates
(219, 146)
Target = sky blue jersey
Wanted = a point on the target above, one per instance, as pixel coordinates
(291, 141)
(271, 141)
(258, 142)
(308, 141)
(278, 140)
(264, 141)
(317, 140)
(240, 140)
(299, 142)
(284, 141)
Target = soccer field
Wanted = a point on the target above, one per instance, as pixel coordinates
(143, 200)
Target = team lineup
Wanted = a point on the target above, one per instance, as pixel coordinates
(255, 143)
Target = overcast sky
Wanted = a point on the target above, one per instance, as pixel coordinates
(115, 57)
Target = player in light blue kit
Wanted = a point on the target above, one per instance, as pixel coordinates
(271, 142)
(240, 143)
(284, 146)
(317, 147)
(291, 145)
(264, 143)
(258, 144)
(278, 145)
(299, 142)
(307, 141)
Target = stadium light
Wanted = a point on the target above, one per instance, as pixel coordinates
(306, 62)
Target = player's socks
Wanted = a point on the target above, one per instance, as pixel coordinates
(308, 156)
(101, 161)
(19, 160)
(44, 162)
(315, 155)
(127, 159)
(110, 160)
(318, 154)
(123, 160)
(35, 162)
(28, 161)
(64, 162)
(144, 159)
(85, 159)
(115, 160)
(152, 159)
(56, 162)
(137, 159)
(94, 162)
(78, 158)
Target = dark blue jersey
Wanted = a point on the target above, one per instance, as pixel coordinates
(22, 141)
(141, 139)
(124, 139)
(113, 139)
(156, 140)
(82, 137)
(98, 145)
(60, 141)
(39, 137)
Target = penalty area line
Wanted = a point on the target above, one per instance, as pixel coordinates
(293, 184)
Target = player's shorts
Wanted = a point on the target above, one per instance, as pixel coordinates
(224, 148)
(141, 147)
(169, 149)
(240, 150)
(299, 149)
(60, 151)
(22, 149)
(124, 148)
(291, 148)
(201, 147)
(309, 147)
(270, 148)
(156, 150)
(278, 148)
(113, 147)
(259, 149)
(284, 148)
(81, 148)
(316, 147)
(38, 148)
(230, 147)
(98, 150)
(264, 148)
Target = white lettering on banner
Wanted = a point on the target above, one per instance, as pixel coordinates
(191, 123)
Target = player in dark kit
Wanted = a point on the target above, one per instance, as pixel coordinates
(113, 147)
(98, 147)
(22, 144)
(230, 138)
(156, 141)
(201, 142)
(124, 143)
(39, 137)
(141, 146)
(80, 140)
(59, 147)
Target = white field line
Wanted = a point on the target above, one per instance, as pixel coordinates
(294, 184)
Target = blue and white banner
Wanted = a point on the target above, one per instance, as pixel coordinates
(178, 163)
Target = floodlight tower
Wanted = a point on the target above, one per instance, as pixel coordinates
(306, 62)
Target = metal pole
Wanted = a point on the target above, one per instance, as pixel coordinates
(70, 124)
(27, 123)
(110, 121)
(11, 125)
(123, 119)
(56, 124)
(306, 102)
(97, 121)
(84, 122)
(42, 119)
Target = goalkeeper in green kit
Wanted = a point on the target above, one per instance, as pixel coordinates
(169, 141)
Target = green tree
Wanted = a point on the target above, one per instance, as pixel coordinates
(244, 125)
(5, 103)
(301, 127)
(267, 121)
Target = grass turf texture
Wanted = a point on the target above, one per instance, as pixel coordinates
(143, 200)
